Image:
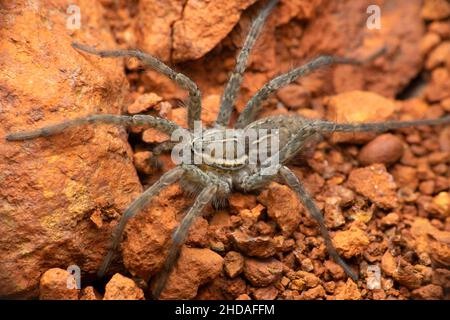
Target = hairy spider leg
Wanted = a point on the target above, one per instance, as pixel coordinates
(136, 206)
(235, 80)
(194, 105)
(180, 235)
(254, 104)
(161, 124)
(295, 184)
(330, 127)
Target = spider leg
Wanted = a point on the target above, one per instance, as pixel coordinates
(161, 124)
(256, 181)
(194, 106)
(180, 235)
(330, 127)
(254, 104)
(137, 205)
(292, 180)
(232, 87)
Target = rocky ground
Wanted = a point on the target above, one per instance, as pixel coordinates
(385, 198)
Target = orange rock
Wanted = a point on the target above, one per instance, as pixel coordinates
(261, 246)
(48, 197)
(333, 212)
(233, 264)
(149, 233)
(198, 233)
(265, 293)
(144, 103)
(442, 202)
(324, 34)
(386, 148)
(122, 288)
(154, 31)
(427, 239)
(179, 116)
(438, 56)
(413, 109)
(283, 206)
(243, 297)
(358, 107)
(210, 109)
(444, 139)
(203, 26)
(262, 272)
(276, 50)
(58, 284)
(405, 176)
(313, 293)
(350, 243)
(390, 219)
(89, 293)
(348, 291)
(195, 267)
(190, 29)
(441, 277)
(222, 288)
(239, 201)
(294, 96)
(439, 87)
(428, 42)
(435, 9)
(375, 183)
(428, 292)
(308, 279)
(408, 275)
(154, 136)
(142, 162)
(334, 270)
(250, 217)
(389, 264)
(442, 28)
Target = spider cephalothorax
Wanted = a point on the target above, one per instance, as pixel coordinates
(218, 160)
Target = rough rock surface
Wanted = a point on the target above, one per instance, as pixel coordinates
(58, 284)
(148, 234)
(122, 288)
(262, 272)
(375, 183)
(283, 206)
(427, 240)
(348, 291)
(163, 34)
(51, 187)
(185, 30)
(358, 107)
(351, 242)
(195, 267)
(233, 264)
(261, 246)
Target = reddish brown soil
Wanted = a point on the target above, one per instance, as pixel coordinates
(385, 199)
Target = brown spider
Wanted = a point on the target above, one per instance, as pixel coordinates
(214, 178)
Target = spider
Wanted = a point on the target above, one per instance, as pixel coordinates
(216, 176)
